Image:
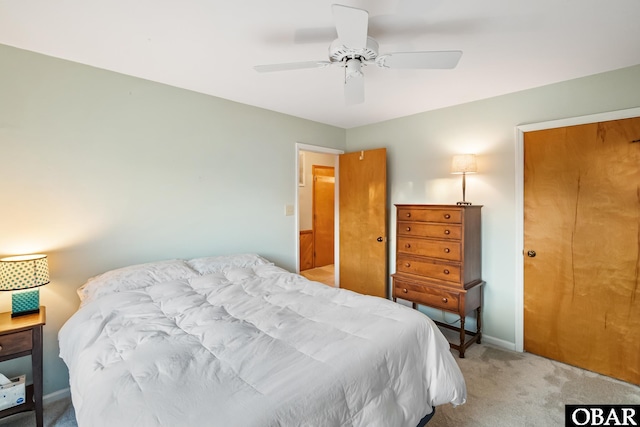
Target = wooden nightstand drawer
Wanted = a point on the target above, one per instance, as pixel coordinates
(433, 297)
(430, 269)
(430, 248)
(430, 215)
(440, 231)
(15, 343)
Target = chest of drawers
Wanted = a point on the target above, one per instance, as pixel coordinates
(438, 262)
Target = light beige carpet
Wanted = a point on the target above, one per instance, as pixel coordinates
(520, 389)
(504, 389)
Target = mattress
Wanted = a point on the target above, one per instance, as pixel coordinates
(237, 341)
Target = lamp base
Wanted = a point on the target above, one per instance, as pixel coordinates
(24, 313)
(463, 203)
(25, 302)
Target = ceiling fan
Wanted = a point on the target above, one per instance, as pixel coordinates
(354, 49)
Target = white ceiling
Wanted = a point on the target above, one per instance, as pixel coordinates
(210, 46)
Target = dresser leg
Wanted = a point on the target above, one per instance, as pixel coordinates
(479, 324)
(461, 351)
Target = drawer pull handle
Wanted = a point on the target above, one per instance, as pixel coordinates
(447, 232)
(405, 290)
(408, 214)
(0, 348)
(406, 264)
(446, 271)
(408, 228)
(407, 245)
(445, 300)
(447, 250)
(447, 216)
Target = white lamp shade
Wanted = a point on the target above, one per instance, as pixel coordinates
(464, 163)
(23, 272)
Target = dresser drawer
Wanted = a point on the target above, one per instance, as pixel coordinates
(429, 269)
(15, 343)
(430, 248)
(433, 297)
(449, 216)
(440, 231)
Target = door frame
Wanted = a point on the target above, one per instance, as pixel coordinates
(519, 196)
(336, 232)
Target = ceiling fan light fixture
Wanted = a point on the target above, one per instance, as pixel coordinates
(353, 68)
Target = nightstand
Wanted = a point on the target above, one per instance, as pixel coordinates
(22, 336)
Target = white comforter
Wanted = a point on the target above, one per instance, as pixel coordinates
(237, 341)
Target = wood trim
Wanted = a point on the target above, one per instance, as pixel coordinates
(306, 249)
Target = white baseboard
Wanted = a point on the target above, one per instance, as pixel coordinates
(487, 339)
(56, 395)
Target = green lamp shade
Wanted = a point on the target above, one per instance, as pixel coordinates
(21, 274)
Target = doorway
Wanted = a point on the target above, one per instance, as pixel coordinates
(317, 213)
(359, 222)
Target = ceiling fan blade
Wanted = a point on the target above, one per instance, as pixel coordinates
(291, 66)
(422, 60)
(354, 90)
(352, 25)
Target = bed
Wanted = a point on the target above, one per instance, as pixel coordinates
(237, 341)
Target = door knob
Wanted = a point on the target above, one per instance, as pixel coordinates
(379, 239)
(531, 253)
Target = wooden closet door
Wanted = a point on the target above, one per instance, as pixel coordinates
(582, 220)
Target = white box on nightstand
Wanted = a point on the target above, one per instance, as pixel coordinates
(12, 394)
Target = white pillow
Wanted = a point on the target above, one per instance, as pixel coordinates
(216, 264)
(135, 277)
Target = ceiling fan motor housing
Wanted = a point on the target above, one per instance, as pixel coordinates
(339, 53)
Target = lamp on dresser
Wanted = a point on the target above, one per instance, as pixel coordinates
(464, 164)
(23, 275)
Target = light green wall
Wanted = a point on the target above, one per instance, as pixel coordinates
(101, 170)
(419, 150)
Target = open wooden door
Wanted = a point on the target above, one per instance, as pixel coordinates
(363, 221)
(582, 253)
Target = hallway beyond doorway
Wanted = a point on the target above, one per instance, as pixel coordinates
(324, 274)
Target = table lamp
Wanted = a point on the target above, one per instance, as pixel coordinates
(23, 275)
(464, 164)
